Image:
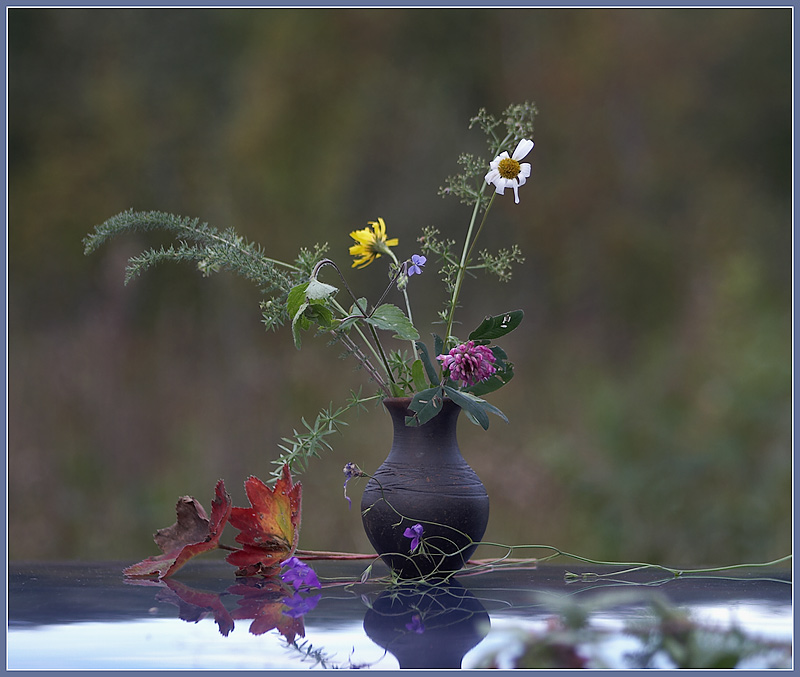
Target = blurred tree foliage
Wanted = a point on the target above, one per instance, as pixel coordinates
(651, 412)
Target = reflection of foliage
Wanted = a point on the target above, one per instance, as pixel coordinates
(576, 629)
(194, 605)
(671, 634)
(271, 604)
(669, 638)
(264, 600)
(556, 647)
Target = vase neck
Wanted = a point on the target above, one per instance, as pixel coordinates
(436, 437)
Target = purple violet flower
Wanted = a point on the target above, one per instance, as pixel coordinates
(417, 261)
(469, 363)
(351, 470)
(297, 605)
(299, 575)
(415, 625)
(414, 533)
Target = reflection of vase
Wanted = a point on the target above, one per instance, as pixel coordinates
(427, 626)
(426, 481)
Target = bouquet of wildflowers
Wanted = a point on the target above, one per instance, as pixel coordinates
(462, 368)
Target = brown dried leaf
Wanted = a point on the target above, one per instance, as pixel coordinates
(168, 563)
(190, 527)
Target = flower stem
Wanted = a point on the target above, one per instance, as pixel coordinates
(635, 566)
(359, 355)
(363, 311)
(469, 244)
(327, 554)
(469, 241)
(408, 303)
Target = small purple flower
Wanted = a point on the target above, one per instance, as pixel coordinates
(415, 625)
(469, 363)
(417, 261)
(414, 533)
(351, 470)
(299, 575)
(297, 605)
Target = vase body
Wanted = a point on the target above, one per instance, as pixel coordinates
(425, 480)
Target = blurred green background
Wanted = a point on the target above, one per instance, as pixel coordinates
(651, 411)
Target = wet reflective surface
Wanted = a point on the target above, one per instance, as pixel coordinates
(86, 616)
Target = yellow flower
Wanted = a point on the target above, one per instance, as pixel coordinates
(370, 244)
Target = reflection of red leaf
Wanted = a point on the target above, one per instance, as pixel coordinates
(261, 601)
(186, 538)
(194, 604)
(270, 528)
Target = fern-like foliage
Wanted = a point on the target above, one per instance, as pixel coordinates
(299, 449)
(212, 251)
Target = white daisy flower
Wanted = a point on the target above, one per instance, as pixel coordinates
(508, 172)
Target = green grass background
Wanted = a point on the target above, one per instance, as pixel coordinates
(650, 418)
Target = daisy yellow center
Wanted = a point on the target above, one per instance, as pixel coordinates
(509, 168)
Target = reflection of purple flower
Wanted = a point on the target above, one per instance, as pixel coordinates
(351, 470)
(469, 363)
(415, 625)
(417, 261)
(414, 533)
(297, 605)
(298, 574)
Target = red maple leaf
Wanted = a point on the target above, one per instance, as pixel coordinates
(193, 533)
(270, 529)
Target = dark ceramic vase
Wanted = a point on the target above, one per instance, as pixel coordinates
(425, 481)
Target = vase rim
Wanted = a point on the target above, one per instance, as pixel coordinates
(403, 403)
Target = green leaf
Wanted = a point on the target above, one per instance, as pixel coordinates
(344, 325)
(317, 290)
(321, 314)
(433, 375)
(354, 309)
(496, 326)
(299, 321)
(354, 315)
(418, 375)
(504, 373)
(475, 407)
(438, 345)
(425, 405)
(472, 409)
(391, 318)
(494, 382)
(296, 298)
